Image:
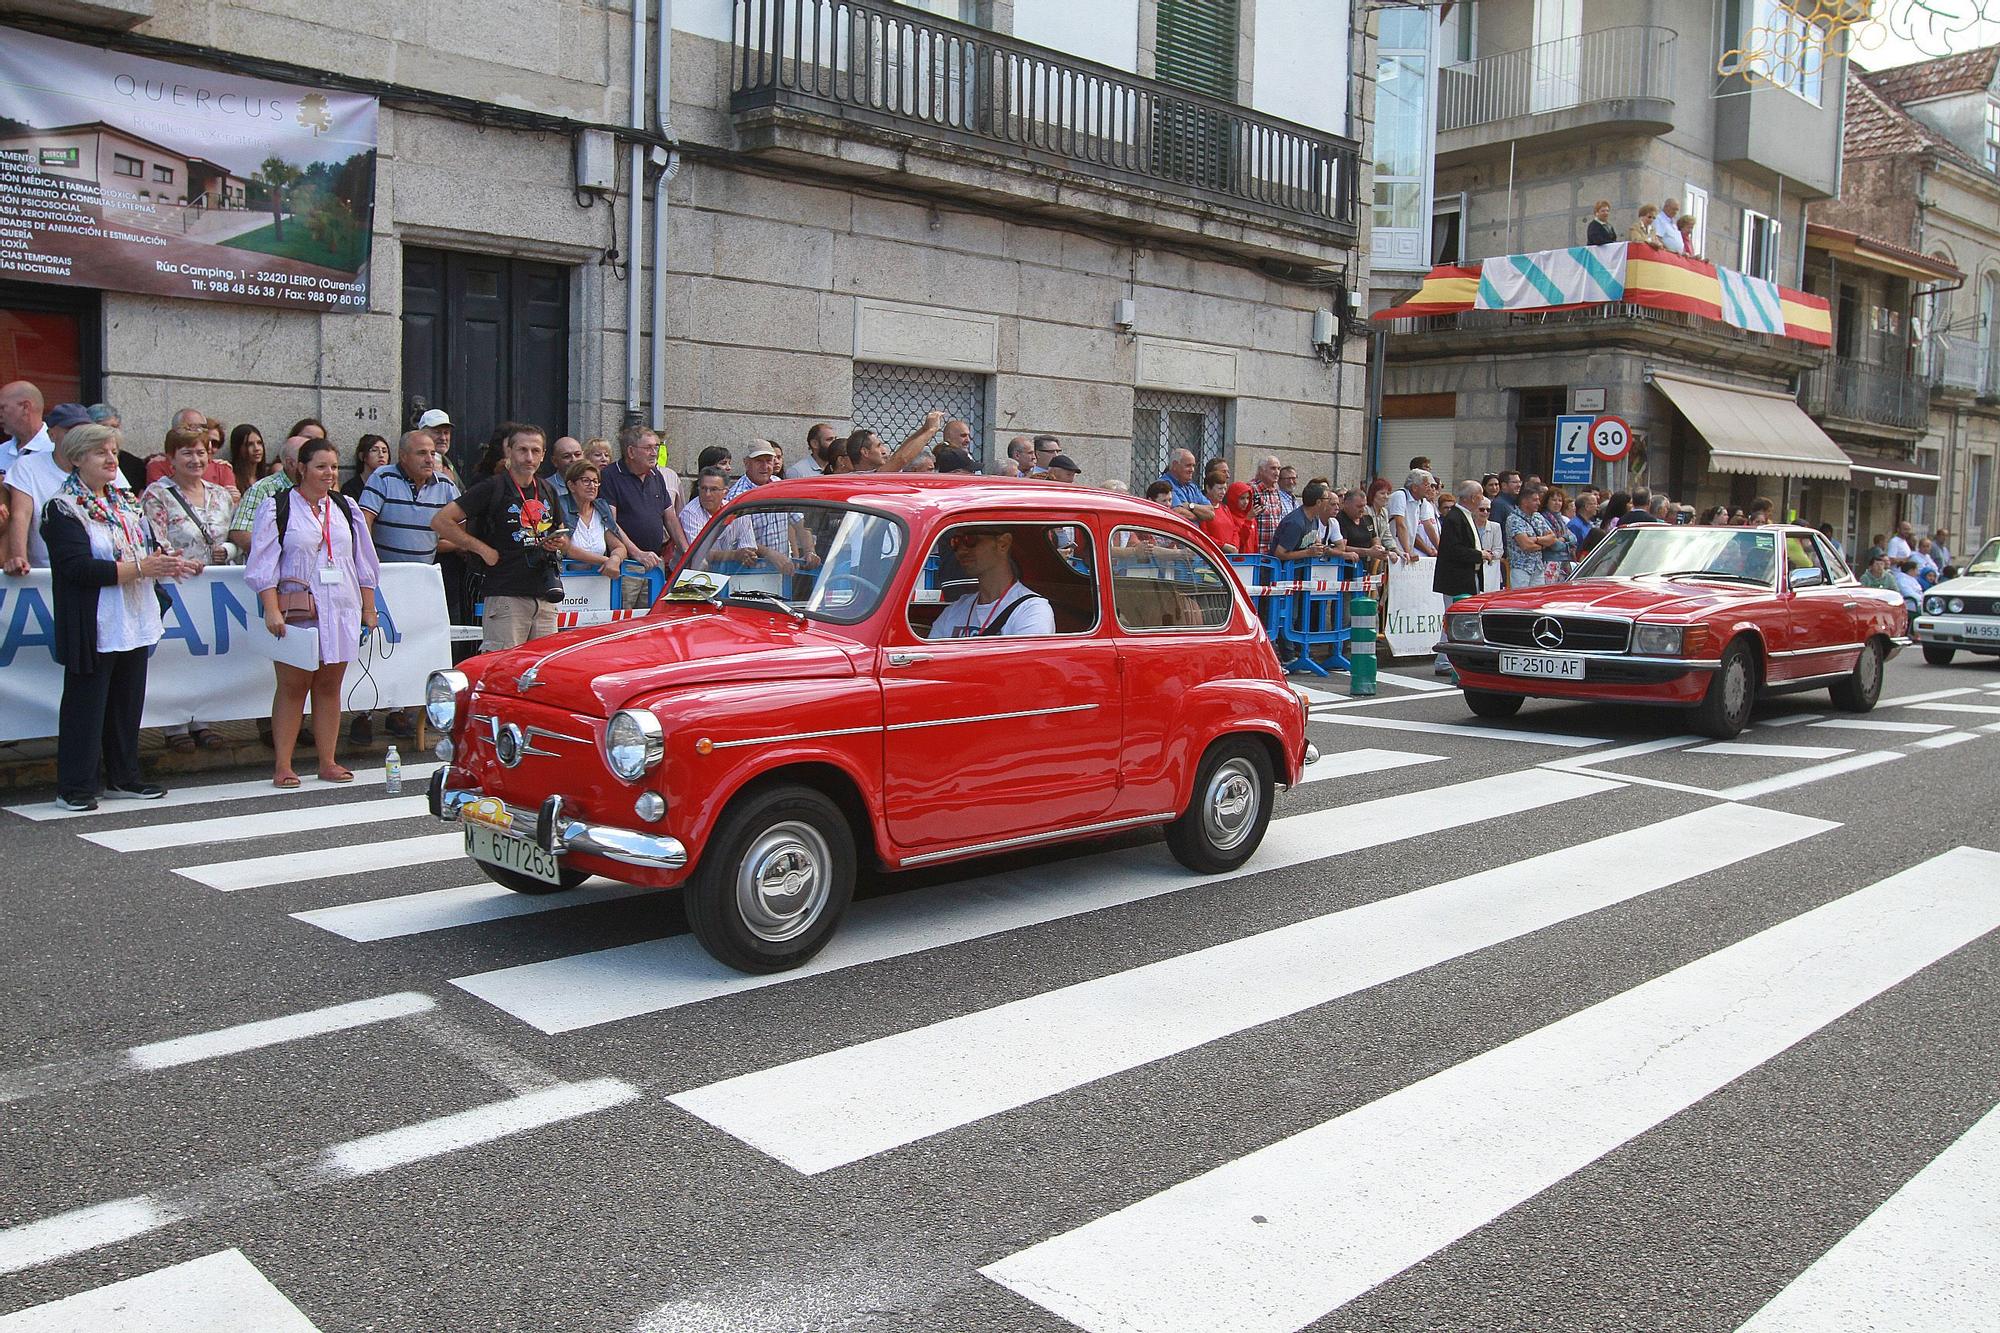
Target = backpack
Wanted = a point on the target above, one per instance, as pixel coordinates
(284, 514)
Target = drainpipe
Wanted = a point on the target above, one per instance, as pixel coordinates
(635, 220)
(663, 86)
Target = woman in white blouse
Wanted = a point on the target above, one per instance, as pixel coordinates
(594, 538)
(189, 515)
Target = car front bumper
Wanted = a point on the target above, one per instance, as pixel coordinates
(1607, 678)
(556, 832)
(1950, 632)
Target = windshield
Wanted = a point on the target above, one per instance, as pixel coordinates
(1988, 559)
(828, 561)
(1729, 554)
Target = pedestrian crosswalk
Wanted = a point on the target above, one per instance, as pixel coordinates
(1276, 1237)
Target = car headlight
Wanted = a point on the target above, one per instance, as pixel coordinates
(1934, 605)
(1958, 606)
(1658, 640)
(441, 693)
(634, 743)
(1462, 629)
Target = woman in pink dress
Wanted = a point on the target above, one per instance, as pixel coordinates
(323, 554)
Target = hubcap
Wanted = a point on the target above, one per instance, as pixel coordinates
(1736, 687)
(1871, 670)
(1229, 806)
(783, 881)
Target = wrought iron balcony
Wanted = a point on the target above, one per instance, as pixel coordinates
(911, 73)
(1843, 389)
(1613, 74)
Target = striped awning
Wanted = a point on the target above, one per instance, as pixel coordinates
(1760, 432)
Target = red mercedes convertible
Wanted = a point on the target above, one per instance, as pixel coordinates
(1706, 619)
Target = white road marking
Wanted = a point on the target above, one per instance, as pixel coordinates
(1590, 762)
(1750, 791)
(1376, 700)
(219, 1293)
(1463, 729)
(1789, 720)
(1988, 710)
(464, 1129)
(50, 1238)
(1286, 1235)
(1873, 724)
(1749, 750)
(292, 867)
(1928, 1258)
(442, 909)
(1318, 695)
(1909, 699)
(583, 990)
(365, 779)
(91, 1070)
(1421, 684)
(270, 823)
(1949, 738)
(1354, 764)
(833, 1109)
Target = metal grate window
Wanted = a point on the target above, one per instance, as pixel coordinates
(892, 400)
(1164, 422)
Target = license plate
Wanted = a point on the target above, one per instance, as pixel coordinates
(511, 853)
(1548, 666)
(1981, 629)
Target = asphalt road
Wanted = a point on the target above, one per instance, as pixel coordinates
(1567, 1022)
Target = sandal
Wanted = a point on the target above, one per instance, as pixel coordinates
(286, 780)
(336, 774)
(181, 743)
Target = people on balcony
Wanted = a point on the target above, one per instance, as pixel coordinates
(1643, 231)
(1667, 226)
(1600, 231)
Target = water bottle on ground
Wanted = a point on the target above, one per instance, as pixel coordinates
(392, 772)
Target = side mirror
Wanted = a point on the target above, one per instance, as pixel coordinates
(1807, 578)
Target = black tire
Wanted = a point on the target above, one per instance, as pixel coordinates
(1938, 654)
(1732, 693)
(520, 883)
(1485, 703)
(1863, 686)
(1228, 810)
(774, 881)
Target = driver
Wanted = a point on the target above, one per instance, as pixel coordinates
(1000, 604)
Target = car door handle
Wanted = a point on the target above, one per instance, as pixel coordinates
(908, 659)
(1849, 606)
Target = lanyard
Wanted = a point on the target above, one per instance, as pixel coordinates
(991, 611)
(324, 513)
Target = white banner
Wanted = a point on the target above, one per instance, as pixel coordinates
(1413, 615)
(587, 599)
(203, 669)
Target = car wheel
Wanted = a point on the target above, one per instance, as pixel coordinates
(1485, 703)
(1732, 693)
(1863, 686)
(1231, 806)
(1938, 654)
(520, 883)
(774, 881)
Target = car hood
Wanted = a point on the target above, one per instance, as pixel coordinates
(1967, 585)
(1622, 598)
(600, 669)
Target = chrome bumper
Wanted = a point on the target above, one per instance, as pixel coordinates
(556, 833)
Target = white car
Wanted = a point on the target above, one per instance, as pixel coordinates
(1963, 613)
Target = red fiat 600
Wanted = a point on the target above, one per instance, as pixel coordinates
(886, 669)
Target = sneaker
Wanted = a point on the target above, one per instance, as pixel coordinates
(362, 730)
(76, 804)
(139, 791)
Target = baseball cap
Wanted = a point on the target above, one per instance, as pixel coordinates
(950, 459)
(432, 419)
(64, 415)
(762, 449)
(1065, 462)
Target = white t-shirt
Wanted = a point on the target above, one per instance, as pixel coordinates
(12, 452)
(1425, 527)
(1898, 548)
(965, 618)
(38, 477)
(1669, 232)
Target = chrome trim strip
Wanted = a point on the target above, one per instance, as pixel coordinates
(556, 735)
(1808, 652)
(1032, 838)
(795, 736)
(991, 717)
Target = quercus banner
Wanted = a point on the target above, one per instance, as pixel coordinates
(127, 174)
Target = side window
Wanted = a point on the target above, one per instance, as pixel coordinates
(1836, 563)
(1160, 582)
(1801, 555)
(982, 580)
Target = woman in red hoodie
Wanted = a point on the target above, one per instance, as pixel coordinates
(1234, 527)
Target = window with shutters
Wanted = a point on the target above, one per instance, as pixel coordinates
(892, 400)
(1164, 422)
(1195, 48)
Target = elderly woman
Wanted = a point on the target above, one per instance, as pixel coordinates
(594, 538)
(314, 571)
(189, 516)
(1530, 538)
(107, 611)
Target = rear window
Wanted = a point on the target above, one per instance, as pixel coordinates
(1159, 582)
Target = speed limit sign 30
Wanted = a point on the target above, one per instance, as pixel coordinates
(1610, 438)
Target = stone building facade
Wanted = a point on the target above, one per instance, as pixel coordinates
(947, 203)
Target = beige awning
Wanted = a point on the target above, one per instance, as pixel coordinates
(1757, 431)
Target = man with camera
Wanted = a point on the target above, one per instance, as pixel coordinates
(512, 523)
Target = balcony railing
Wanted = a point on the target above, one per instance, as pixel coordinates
(1609, 65)
(1958, 364)
(1852, 390)
(908, 71)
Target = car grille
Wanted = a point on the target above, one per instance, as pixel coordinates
(1581, 634)
(1978, 606)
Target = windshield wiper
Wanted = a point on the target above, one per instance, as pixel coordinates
(773, 598)
(1714, 574)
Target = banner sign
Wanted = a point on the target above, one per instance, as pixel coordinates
(203, 670)
(1413, 615)
(134, 175)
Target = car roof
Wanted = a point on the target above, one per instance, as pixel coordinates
(928, 496)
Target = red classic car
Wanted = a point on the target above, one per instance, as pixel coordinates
(1695, 617)
(903, 670)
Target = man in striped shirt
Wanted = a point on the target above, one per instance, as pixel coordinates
(397, 505)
